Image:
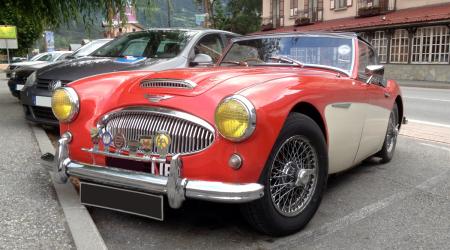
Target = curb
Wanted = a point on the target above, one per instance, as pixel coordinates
(83, 229)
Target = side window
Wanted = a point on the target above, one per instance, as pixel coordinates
(211, 45)
(367, 57)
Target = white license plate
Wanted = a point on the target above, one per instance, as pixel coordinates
(19, 87)
(43, 101)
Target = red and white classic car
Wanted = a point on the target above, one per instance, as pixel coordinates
(264, 128)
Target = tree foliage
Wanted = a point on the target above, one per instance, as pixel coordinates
(240, 16)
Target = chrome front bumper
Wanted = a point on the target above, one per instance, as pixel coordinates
(174, 186)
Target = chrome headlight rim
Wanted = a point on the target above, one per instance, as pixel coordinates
(74, 101)
(251, 111)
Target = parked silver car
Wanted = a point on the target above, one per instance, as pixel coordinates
(154, 49)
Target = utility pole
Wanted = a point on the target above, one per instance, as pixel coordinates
(169, 9)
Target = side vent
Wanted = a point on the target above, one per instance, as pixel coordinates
(168, 83)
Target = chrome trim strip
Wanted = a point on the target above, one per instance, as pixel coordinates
(344, 105)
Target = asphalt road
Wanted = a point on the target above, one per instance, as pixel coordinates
(426, 104)
(30, 216)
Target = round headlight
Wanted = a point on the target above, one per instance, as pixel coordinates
(235, 118)
(65, 104)
(13, 74)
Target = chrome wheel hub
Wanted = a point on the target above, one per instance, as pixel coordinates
(391, 136)
(293, 176)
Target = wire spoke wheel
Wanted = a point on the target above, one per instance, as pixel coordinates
(392, 133)
(293, 176)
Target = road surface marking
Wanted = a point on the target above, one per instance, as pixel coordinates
(427, 99)
(436, 146)
(430, 123)
(293, 241)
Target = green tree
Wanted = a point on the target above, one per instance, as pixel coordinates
(240, 16)
(28, 29)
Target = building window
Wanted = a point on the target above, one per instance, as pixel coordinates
(399, 46)
(431, 45)
(380, 43)
(340, 4)
(294, 7)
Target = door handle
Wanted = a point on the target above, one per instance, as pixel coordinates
(387, 95)
(344, 105)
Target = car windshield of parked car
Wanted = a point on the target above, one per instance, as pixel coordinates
(89, 48)
(42, 57)
(308, 50)
(149, 44)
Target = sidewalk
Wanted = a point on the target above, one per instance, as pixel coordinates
(30, 215)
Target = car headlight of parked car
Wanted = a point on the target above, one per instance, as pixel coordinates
(65, 104)
(13, 74)
(30, 80)
(235, 118)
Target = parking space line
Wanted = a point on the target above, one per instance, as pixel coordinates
(293, 241)
(426, 99)
(429, 123)
(82, 228)
(436, 146)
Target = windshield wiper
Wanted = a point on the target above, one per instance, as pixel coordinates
(287, 60)
(240, 63)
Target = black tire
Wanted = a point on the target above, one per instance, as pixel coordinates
(263, 214)
(390, 140)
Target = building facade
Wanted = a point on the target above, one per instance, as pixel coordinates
(412, 37)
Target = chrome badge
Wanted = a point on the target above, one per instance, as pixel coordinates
(133, 147)
(162, 143)
(119, 141)
(157, 98)
(54, 85)
(145, 143)
(106, 139)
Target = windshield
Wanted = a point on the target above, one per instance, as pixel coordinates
(41, 57)
(306, 50)
(89, 48)
(150, 44)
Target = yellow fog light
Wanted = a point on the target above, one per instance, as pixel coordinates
(235, 118)
(65, 104)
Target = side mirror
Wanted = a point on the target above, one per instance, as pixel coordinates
(375, 74)
(202, 60)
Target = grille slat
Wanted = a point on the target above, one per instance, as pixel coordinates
(168, 83)
(187, 136)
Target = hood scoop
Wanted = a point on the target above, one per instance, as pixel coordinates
(168, 83)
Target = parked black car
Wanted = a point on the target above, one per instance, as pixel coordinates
(19, 75)
(155, 49)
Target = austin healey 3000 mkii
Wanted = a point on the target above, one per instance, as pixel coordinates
(263, 129)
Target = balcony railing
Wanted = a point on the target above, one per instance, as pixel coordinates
(308, 16)
(368, 8)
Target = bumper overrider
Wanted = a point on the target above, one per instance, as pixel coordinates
(174, 186)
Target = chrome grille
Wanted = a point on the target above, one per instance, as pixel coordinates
(189, 134)
(168, 83)
(44, 83)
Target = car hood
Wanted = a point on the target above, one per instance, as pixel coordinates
(72, 70)
(27, 63)
(224, 79)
